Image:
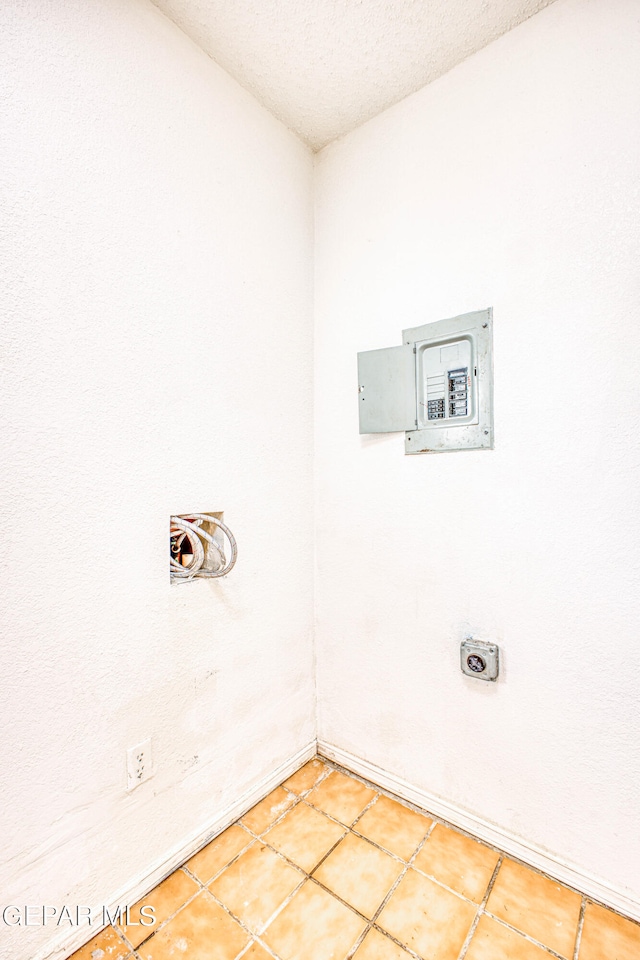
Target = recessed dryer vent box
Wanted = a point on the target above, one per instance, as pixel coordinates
(437, 386)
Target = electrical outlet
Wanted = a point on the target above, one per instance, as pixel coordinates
(480, 659)
(139, 764)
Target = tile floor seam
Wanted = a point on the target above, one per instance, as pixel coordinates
(349, 828)
(328, 853)
(280, 908)
(441, 883)
(132, 952)
(304, 793)
(339, 823)
(253, 934)
(167, 919)
(328, 815)
(576, 949)
(409, 864)
(267, 949)
(292, 863)
(188, 869)
(351, 776)
(383, 791)
(369, 923)
(193, 876)
(527, 936)
(480, 911)
(398, 943)
(253, 833)
(389, 853)
(265, 946)
(336, 896)
(125, 941)
(326, 890)
(261, 836)
(436, 819)
(358, 942)
(394, 886)
(244, 950)
(390, 893)
(536, 870)
(372, 786)
(364, 810)
(422, 811)
(598, 903)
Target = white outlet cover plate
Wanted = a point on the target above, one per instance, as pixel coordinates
(139, 764)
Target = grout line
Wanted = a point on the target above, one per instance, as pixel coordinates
(389, 853)
(292, 863)
(390, 892)
(331, 766)
(193, 876)
(398, 943)
(364, 809)
(336, 896)
(441, 883)
(537, 943)
(273, 823)
(323, 776)
(265, 946)
(356, 946)
(252, 933)
(346, 829)
(466, 833)
(278, 853)
(328, 853)
(256, 939)
(205, 883)
(242, 953)
(124, 939)
(408, 864)
(481, 909)
(324, 813)
(598, 903)
(380, 790)
(424, 812)
(583, 907)
(167, 919)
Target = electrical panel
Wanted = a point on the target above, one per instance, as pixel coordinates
(437, 386)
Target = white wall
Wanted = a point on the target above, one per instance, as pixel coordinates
(511, 182)
(158, 349)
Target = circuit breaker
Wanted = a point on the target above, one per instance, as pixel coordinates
(437, 386)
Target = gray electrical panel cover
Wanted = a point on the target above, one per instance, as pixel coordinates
(387, 390)
(437, 386)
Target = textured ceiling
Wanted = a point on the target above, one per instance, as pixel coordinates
(325, 66)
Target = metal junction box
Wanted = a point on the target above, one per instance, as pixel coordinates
(437, 386)
(480, 659)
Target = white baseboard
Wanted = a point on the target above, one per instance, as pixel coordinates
(63, 946)
(490, 833)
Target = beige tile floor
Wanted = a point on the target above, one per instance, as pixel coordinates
(328, 868)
